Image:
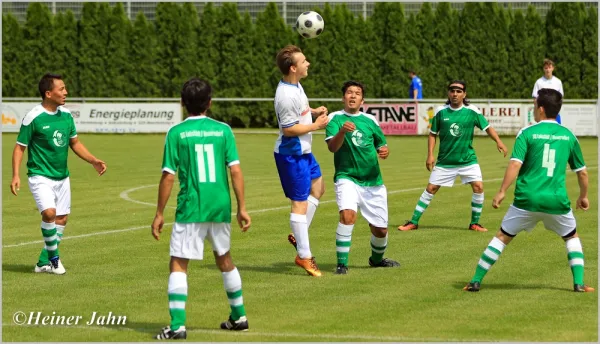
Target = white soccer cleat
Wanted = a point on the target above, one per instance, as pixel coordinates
(57, 267)
(44, 268)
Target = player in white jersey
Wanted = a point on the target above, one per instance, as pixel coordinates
(299, 172)
(548, 81)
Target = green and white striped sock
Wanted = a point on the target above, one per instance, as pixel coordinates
(378, 246)
(233, 286)
(422, 204)
(488, 258)
(178, 290)
(44, 259)
(50, 238)
(575, 255)
(343, 238)
(476, 207)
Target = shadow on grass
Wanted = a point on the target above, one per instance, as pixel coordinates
(152, 329)
(511, 286)
(428, 227)
(20, 268)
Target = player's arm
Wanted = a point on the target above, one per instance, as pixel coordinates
(430, 147)
(237, 181)
(84, 154)
(335, 143)
(301, 129)
(514, 166)
(321, 110)
(164, 192)
(577, 164)
(499, 144)
(17, 158)
(380, 142)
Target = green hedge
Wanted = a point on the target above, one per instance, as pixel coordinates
(497, 51)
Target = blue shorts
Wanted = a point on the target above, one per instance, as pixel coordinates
(296, 173)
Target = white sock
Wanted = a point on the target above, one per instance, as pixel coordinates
(313, 203)
(60, 229)
(300, 230)
(232, 280)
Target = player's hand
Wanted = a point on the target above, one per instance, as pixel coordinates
(498, 199)
(100, 166)
(430, 163)
(502, 148)
(243, 220)
(383, 152)
(15, 185)
(321, 110)
(322, 121)
(348, 127)
(583, 203)
(157, 226)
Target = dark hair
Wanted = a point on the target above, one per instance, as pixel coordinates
(349, 83)
(550, 100)
(285, 58)
(47, 83)
(466, 100)
(548, 62)
(196, 95)
(412, 71)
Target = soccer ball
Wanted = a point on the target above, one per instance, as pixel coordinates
(310, 24)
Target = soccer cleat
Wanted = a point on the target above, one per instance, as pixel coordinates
(43, 268)
(57, 267)
(384, 263)
(341, 269)
(472, 286)
(235, 325)
(310, 265)
(580, 288)
(167, 333)
(477, 227)
(292, 240)
(408, 226)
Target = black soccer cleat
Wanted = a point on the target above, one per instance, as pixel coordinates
(472, 286)
(581, 288)
(167, 333)
(384, 263)
(240, 325)
(341, 269)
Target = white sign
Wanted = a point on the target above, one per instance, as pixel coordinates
(105, 117)
(506, 119)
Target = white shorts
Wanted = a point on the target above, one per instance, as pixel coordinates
(445, 176)
(49, 194)
(187, 239)
(517, 220)
(372, 201)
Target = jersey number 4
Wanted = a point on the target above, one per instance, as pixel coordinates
(203, 162)
(548, 161)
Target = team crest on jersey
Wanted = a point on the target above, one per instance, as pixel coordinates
(456, 130)
(357, 138)
(59, 139)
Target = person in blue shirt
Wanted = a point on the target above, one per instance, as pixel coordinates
(415, 89)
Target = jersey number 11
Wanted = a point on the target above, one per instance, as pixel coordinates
(203, 162)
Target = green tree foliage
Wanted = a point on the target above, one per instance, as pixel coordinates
(564, 33)
(425, 24)
(65, 51)
(143, 77)
(118, 62)
(590, 55)
(92, 45)
(535, 49)
(13, 65)
(207, 63)
(519, 59)
(37, 51)
(447, 49)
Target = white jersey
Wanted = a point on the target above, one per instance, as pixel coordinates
(553, 83)
(291, 107)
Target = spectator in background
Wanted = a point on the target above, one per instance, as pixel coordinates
(415, 89)
(548, 81)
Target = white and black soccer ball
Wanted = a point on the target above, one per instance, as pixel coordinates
(310, 24)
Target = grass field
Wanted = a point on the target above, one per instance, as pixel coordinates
(114, 265)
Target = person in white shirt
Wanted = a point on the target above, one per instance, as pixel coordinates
(548, 81)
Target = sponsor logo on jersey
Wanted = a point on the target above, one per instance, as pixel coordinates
(357, 138)
(59, 139)
(456, 130)
(46, 127)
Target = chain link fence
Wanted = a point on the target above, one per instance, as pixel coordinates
(289, 9)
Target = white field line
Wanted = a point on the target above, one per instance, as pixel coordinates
(125, 196)
(240, 335)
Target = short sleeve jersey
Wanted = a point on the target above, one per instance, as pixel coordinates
(291, 107)
(455, 129)
(545, 149)
(47, 135)
(199, 150)
(356, 159)
(553, 83)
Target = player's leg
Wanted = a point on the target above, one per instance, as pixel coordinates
(372, 201)
(63, 208)
(45, 199)
(317, 189)
(187, 242)
(472, 175)
(347, 200)
(515, 221)
(219, 235)
(566, 226)
(422, 204)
